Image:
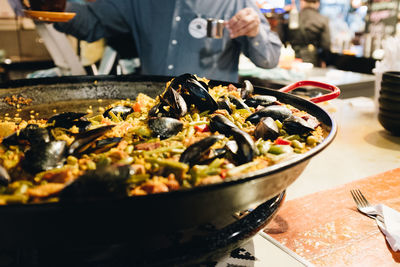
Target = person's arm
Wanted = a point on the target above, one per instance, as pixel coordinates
(95, 20)
(254, 34)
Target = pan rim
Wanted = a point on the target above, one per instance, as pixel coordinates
(329, 121)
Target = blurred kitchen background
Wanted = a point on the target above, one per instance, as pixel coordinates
(358, 31)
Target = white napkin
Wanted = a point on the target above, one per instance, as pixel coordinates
(390, 225)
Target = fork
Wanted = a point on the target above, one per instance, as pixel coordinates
(364, 206)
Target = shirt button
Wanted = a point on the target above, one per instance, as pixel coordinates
(174, 42)
(256, 43)
(177, 18)
(170, 67)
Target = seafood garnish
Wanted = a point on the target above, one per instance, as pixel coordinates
(191, 134)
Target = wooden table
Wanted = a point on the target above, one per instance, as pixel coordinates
(326, 229)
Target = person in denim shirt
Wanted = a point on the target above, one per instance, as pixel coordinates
(170, 35)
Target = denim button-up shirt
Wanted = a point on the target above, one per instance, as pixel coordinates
(163, 40)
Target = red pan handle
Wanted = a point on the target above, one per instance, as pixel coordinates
(335, 90)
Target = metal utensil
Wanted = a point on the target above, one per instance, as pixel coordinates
(215, 28)
(364, 206)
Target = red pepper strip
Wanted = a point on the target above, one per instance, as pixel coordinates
(202, 128)
(136, 107)
(223, 173)
(281, 141)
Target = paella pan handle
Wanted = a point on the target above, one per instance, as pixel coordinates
(335, 90)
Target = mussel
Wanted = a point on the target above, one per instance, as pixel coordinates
(276, 112)
(68, 119)
(245, 144)
(31, 134)
(165, 127)
(194, 153)
(261, 100)
(45, 156)
(107, 182)
(246, 147)
(266, 129)
(122, 111)
(296, 125)
(103, 145)
(199, 96)
(224, 103)
(176, 102)
(247, 89)
(84, 141)
(239, 103)
(221, 124)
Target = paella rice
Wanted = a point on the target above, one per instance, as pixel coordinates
(190, 135)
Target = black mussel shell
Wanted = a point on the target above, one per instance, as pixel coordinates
(180, 81)
(296, 125)
(221, 124)
(196, 151)
(165, 127)
(103, 145)
(267, 129)
(247, 89)
(31, 134)
(83, 141)
(239, 103)
(45, 156)
(261, 100)
(107, 182)
(159, 110)
(176, 102)
(246, 146)
(123, 111)
(199, 96)
(68, 119)
(224, 103)
(276, 112)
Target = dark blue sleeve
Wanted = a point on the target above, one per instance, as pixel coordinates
(265, 48)
(103, 18)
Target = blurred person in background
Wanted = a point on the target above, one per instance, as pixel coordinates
(311, 41)
(170, 36)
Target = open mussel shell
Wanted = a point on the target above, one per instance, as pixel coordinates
(45, 156)
(178, 106)
(276, 112)
(103, 145)
(31, 134)
(165, 127)
(67, 120)
(200, 97)
(261, 100)
(83, 141)
(221, 124)
(106, 182)
(296, 125)
(247, 89)
(224, 103)
(122, 111)
(246, 147)
(194, 153)
(239, 103)
(267, 129)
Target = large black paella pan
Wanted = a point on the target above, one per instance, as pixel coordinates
(154, 221)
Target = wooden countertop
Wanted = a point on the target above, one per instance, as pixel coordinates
(326, 229)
